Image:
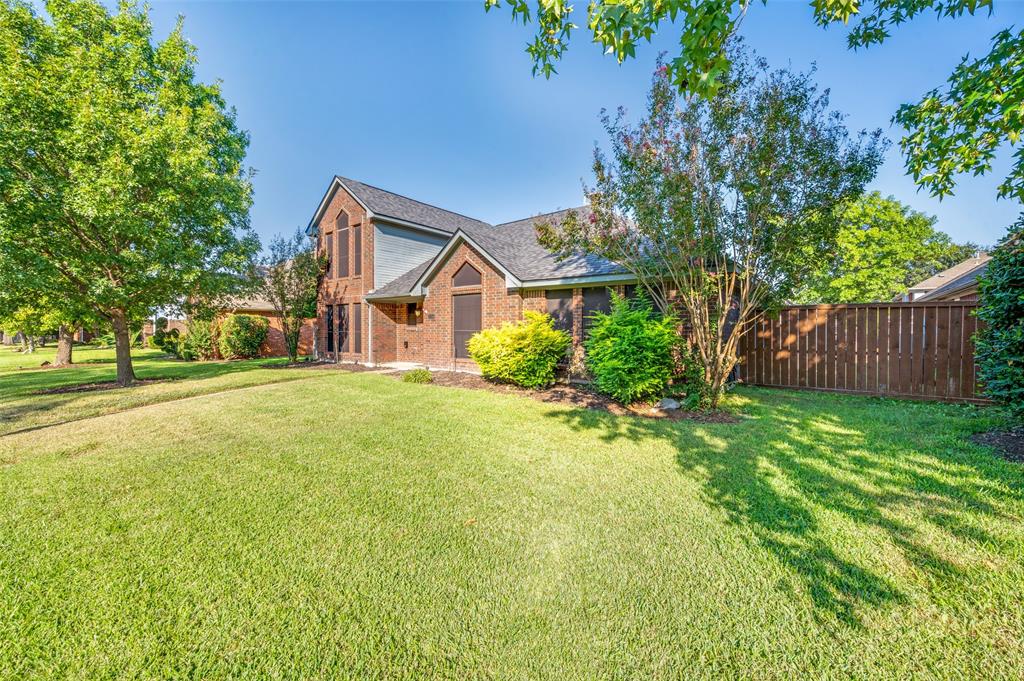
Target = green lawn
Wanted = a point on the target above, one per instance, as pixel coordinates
(350, 525)
(24, 404)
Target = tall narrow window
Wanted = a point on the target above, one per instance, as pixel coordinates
(341, 227)
(329, 323)
(594, 300)
(329, 247)
(357, 327)
(357, 250)
(466, 276)
(466, 321)
(343, 327)
(560, 309)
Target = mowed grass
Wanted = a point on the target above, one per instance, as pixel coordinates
(27, 401)
(351, 525)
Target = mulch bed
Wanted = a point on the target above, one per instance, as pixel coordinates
(576, 396)
(95, 387)
(336, 366)
(1008, 444)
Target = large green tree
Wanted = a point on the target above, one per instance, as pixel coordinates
(883, 247)
(122, 184)
(951, 131)
(723, 207)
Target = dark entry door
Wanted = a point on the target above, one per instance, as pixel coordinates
(467, 318)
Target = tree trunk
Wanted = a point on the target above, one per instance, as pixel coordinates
(65, 341)
(30, 344)
(316, 340)
(122, 348)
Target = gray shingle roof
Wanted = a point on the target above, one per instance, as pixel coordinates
(961, 282)
(953, 273)
(396, 288)
(390, 205)
(515, 245)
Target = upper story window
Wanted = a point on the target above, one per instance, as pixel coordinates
(341, 229)
(329, 250)
(357, 250)
(466, 276)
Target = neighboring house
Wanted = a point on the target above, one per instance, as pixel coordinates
(958, 283)
(274, 345)
(410, 282)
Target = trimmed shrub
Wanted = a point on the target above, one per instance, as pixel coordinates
(418, 376)
(199, 342)
(241, 335)
(630, 350)
(1000, 343)
(526, 352)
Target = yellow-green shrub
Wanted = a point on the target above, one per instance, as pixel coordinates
(241, 335)
(525, 353)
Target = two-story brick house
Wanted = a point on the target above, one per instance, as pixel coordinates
(410, 282)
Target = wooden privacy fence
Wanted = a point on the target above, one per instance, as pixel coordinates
(920, 350)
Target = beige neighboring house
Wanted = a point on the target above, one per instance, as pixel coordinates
(274, 346)
(958, 283)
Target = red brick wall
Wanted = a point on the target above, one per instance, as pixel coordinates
(431, 341)
(274, 345)
(350, 289)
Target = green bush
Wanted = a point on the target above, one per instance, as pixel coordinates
(525, 353)
(696, 391)
(241, 335)
(1000, 343)
(630, 350)
(199, 342)
(418, 376)
(169, 342)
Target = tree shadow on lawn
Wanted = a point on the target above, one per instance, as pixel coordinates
(782, 472)
(35, 381)
(27, 396)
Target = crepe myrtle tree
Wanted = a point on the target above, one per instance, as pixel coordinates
(122, 187)
(952, 130)
(722, 207)
(289, 277)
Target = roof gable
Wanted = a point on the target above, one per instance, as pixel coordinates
(511, 247)
(389, 206)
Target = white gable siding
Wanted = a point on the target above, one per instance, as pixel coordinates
(396, 250)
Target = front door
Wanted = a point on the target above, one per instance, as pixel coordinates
(467, 317)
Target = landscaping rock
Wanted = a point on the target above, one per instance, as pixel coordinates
(668, 403)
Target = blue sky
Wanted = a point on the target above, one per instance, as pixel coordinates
(435, 100)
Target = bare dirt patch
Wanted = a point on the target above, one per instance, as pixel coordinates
(96, 387)
(1009, 444)
(574, 395)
